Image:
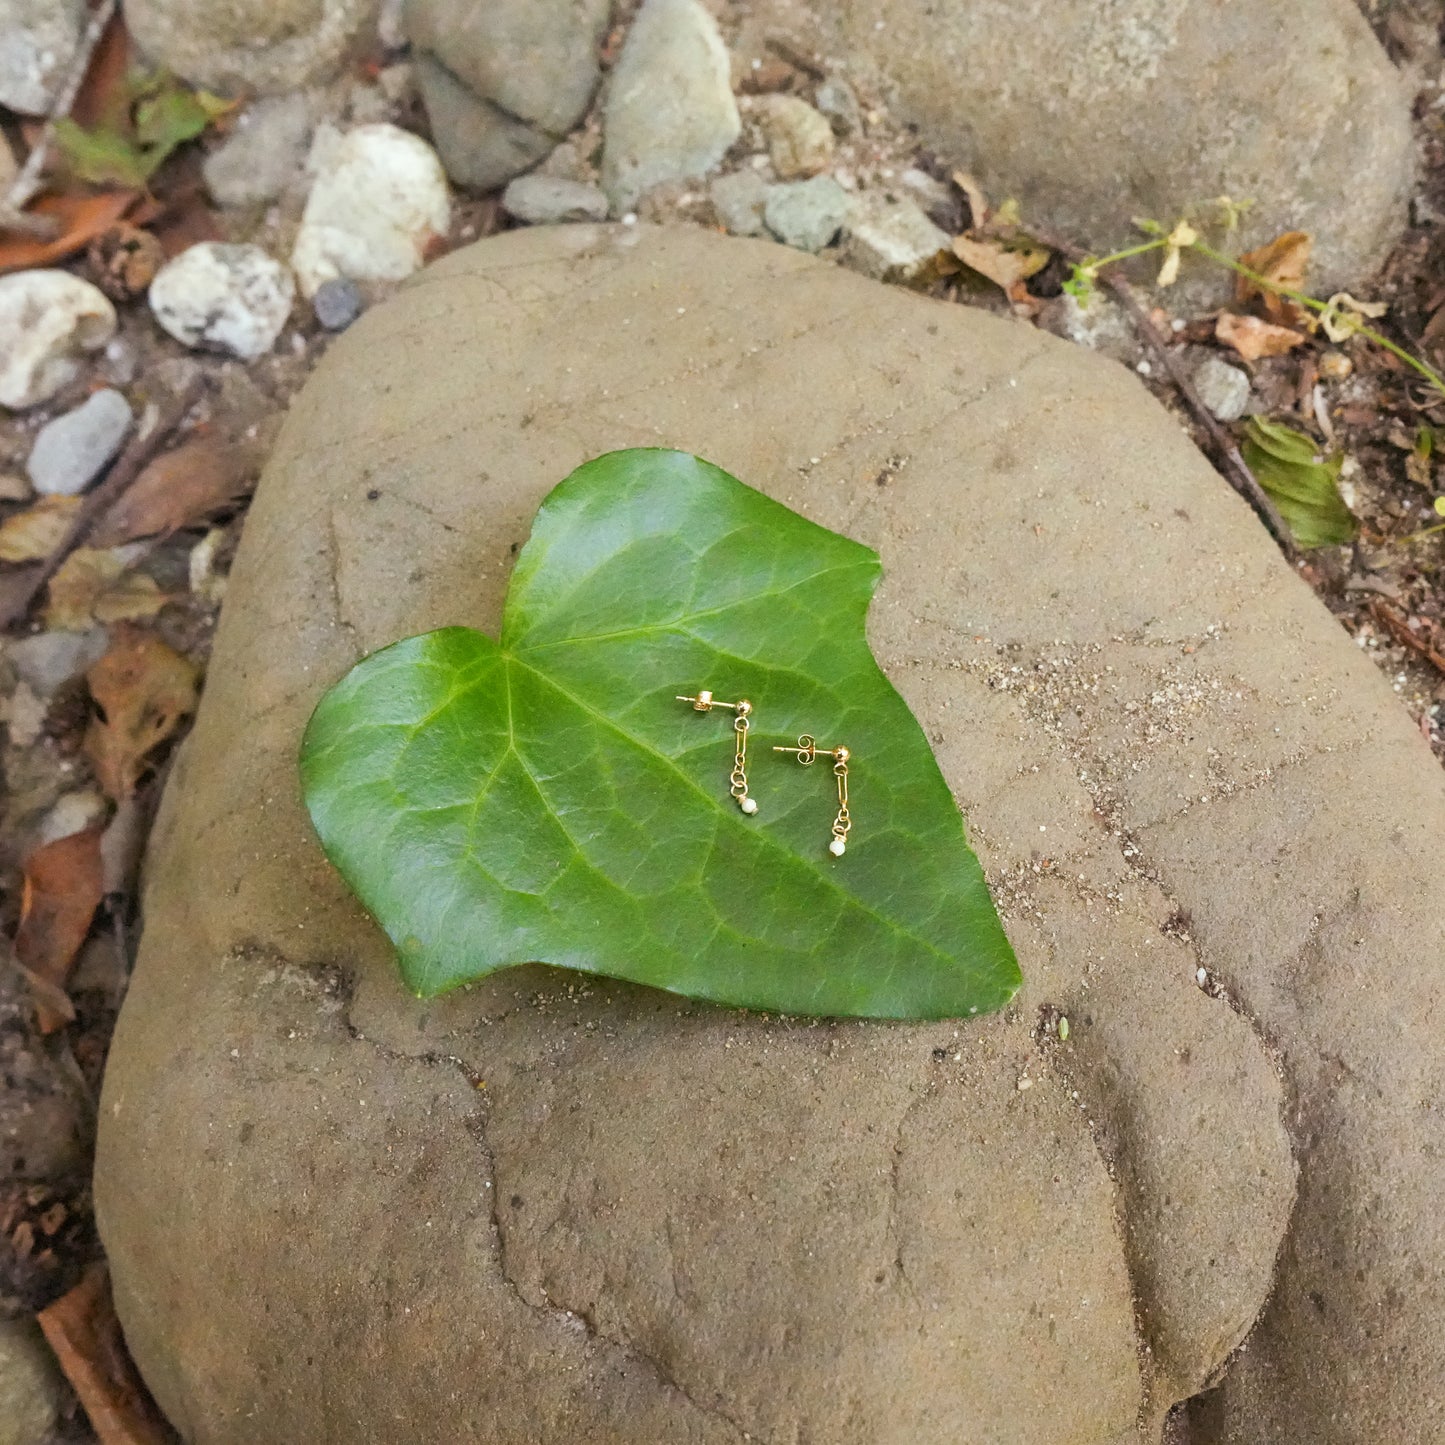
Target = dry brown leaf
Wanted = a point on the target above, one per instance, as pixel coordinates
(1282, 261)
(1004, 267)
(143, 690)
(175, 490)
(94, 585)
(83, 1331)
(62, 889)
(103, 91)
(973, 194)
(80, 219)
(1253, 338)
(32, 535)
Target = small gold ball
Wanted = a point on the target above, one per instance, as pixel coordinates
(744, 707)
(841, 754)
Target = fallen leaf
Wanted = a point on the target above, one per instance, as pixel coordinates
(1343, 316)
(143, 689)
(32, 535)
(973, 194)
(83, 1331)
(104, 94)
(1253, 338)
(80, 218)
(94, 585)
(1303, 485)
(177, 489)
(1282, 261)
(1008, 267)
(62, 889)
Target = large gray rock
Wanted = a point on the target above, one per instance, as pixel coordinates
(671, 115)
(504, 82)
(1143, 108)
(261, 45)
(38, 40)
(540, 1210)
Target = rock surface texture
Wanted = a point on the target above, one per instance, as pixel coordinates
(504, 82)
(545, 1210)
(38, 39)
(268, 46)
(1146, 108)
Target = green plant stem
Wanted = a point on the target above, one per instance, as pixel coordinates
(1424, 532)
(1320, 307)
(1157, 244)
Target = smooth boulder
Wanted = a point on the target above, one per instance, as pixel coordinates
(1144, 108)
(549, 1207)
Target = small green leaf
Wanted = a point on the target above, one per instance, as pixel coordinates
(1304, 487)
(171, 117)
(547, 799)
(103, 156)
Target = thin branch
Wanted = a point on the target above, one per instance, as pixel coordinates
(1227, 453)
(128, 466)
(1403, 633)
(27, 183)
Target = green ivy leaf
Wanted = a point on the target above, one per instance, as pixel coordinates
(547, 799)
(1304, 487)
(103, 156)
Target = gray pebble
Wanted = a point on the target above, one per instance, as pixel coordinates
(71, 451)
(46, 661)
(265, 153)
(337, 303)
(738, 200)
(1224, 389)
(547, 200)
(891, 240)
(836, 100)
(807, 214)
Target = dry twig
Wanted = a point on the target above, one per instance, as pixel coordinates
(1401, 630)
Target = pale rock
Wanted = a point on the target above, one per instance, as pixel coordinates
(670, 110)
(378, 199)
(546, 200)
(1098, 322)
(800, 139)
(220, 296)
(264, 156)
(46, 318)
(70, 814)
(262, 46)
(927, 190)
(505, 81)
(23, 714)
(835, 98)
(72, 450)
(49, 660)
(1224, 389)
(9, 167)
(891, 240)
(738, 200)
(31, 1386)
(807, 214)
(38, 40)
(15, 488)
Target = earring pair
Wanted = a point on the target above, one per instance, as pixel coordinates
(807, 753)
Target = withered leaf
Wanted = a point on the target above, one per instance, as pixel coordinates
(1282, 261)
(177, 489)
(1004, 266)
(95, 585)
(32, 535)
(80, 217)
(143, 689)
(62, 889)
(1253, 338)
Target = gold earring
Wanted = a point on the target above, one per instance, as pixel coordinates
(705, 702)
(807, 750)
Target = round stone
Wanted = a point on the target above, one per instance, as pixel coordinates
(837, 847)
(1094, 1259)
(748, 805)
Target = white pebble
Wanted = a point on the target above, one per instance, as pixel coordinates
(46, 318)
(379, 198)
(222, 297)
